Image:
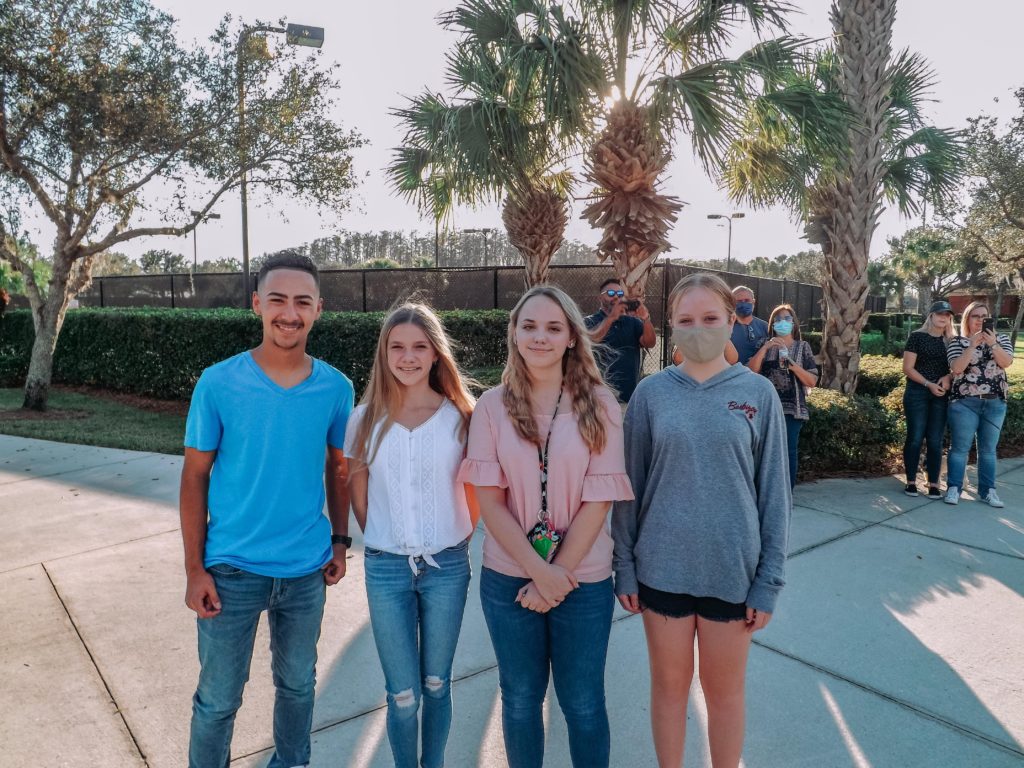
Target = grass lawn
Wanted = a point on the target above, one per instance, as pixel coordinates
(93, 420)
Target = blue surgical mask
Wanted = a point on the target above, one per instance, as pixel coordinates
(783, 327)
(744, 308)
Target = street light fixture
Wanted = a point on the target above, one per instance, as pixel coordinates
(485, 231)
(295, 34)
(195, 245)
(728, 220)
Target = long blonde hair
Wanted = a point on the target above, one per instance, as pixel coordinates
(967, 313)
(383, 395)
(579, 371)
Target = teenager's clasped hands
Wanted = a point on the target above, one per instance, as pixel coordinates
(551, 583)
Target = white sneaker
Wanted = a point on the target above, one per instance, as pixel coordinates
(993, 499)
(952, 495)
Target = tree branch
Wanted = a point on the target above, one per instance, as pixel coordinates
(16, 166)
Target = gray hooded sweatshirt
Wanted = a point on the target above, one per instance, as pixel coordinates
(709, 469)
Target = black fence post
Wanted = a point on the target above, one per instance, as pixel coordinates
(495, 280)
(171, 276)
(363, 275)
(101, 292)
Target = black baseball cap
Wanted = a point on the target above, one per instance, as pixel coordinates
(941, 306)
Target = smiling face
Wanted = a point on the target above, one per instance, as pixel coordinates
(700, 307)
(288, 302)
(542, 333)
(410, 354)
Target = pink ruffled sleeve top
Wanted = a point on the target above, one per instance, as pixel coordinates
(497, 456)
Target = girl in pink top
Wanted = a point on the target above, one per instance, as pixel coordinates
(545, 453)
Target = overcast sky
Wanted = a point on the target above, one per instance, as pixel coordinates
(394, 48)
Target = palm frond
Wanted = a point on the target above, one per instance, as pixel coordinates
(928, 164)
(703, 101)
(911, 79)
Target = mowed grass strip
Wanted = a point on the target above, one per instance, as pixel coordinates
(90, 420)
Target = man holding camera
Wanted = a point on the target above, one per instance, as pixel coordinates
(622, 327)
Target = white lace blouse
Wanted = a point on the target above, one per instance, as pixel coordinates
(415, 507)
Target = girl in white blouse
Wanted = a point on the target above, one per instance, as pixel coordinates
(404, 444)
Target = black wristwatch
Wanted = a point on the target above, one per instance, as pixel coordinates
(337, 538)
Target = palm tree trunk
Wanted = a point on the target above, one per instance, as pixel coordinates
(625, 165)
(535, 220)
(863, 30)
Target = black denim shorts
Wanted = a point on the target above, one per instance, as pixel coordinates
(677, 606)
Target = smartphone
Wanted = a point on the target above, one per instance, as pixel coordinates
(632, 305)
(988, 324)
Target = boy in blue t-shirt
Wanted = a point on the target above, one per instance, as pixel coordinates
(265, 431)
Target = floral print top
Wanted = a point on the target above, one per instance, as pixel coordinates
(982, 376)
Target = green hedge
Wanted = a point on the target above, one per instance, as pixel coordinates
(848, 433)
(879, 375)
(161, 352)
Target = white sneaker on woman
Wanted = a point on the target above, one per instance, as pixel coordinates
(952, 495)
(993, 499)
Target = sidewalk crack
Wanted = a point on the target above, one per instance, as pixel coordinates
(96, 666)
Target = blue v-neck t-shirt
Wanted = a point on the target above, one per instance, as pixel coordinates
(266, 497)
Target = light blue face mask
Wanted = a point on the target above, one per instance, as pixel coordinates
(783, 327)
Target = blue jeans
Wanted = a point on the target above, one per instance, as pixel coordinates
(793, 427)
(416, 620)
(295, 608)
(572, 642)
(926, 423)
(970, 416)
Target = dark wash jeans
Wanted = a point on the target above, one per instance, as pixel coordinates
(572, 642)
(926, 422)
(295, 608)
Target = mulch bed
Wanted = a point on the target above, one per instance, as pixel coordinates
(150, 404)
(21, 414)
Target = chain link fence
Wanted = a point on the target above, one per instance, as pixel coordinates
(375, 290)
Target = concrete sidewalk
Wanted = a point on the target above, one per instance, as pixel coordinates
(897, 641)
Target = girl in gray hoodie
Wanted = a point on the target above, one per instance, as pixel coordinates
(701, 549)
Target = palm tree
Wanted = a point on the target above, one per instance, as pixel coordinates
(683, 81)
(493, 137)
(889, 155)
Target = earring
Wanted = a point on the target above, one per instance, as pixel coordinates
(572, 345)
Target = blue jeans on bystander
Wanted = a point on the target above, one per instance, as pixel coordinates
(570, 641)
(970, 417)
(416, 618)
(793, 427)
(926, 423)
(295, 608)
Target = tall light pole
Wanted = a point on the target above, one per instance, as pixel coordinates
(485, 232)
(728, 220)
(195, 241)
(295, 34)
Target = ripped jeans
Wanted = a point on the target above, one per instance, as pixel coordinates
(416, 620)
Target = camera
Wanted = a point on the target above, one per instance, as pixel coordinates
(632, 305)
(988, 324)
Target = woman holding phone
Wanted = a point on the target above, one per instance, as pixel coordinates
(978, 359)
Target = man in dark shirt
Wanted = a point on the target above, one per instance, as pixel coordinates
(621, 334)
(749, 333)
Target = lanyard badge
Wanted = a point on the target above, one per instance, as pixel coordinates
(543, 537)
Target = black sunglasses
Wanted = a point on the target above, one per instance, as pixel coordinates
(612, 293)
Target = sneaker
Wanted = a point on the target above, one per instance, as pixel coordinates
(934, 492)
(911, 490)
(952, 495)
(993, 499)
